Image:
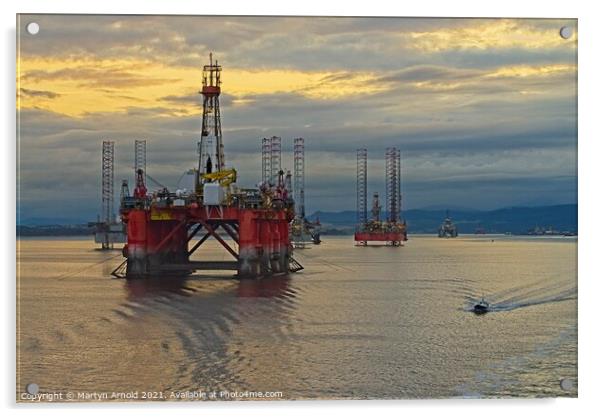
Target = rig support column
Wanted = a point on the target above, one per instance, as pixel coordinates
(285, 246)
(299, 174)
(136, 248)
(248, 247)
(266, 160)
(392, 174)
(276, 158)
(108, 183)
(362, 187)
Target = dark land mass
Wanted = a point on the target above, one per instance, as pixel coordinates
(55, 230)
(515, 220)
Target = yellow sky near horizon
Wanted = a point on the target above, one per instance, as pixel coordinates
(77, 87)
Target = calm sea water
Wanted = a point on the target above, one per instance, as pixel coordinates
(375, 322)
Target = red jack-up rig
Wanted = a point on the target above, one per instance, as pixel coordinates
(254, 223)
(392, 230)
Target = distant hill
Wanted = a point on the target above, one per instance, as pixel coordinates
(49, 221)
(439, 207)
(54, 230)
(512, 219)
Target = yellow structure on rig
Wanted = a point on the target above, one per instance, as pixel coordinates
(224, 177)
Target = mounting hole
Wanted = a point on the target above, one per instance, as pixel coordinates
(32, 389)
(566, 32)
(566, 384)
(33, 28)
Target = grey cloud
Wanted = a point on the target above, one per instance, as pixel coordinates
(330, 161)
(225, 99)
(480, 141)
(97, 77)
(431, 72)
(181, 99)
(259, 42)
(495, 57)
(39, 93)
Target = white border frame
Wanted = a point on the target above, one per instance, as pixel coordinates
(589, 199)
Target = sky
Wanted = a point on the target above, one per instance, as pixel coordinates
(484, 111)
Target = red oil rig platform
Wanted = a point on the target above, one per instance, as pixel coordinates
(252, 225)
(393, 230)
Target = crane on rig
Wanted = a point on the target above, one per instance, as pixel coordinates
(225, 177)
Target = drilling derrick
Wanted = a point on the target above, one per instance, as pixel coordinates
(106, 230)
(211, 146)
(140, 157)
(392, 230)
(251, 224)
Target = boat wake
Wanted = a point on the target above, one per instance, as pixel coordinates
(526, 296)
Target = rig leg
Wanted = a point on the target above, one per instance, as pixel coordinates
(266, 247)
(137, 262)
(248, 256)
(275, 255)
(154, 245)
(285, 248)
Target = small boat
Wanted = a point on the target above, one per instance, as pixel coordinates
(481, 307)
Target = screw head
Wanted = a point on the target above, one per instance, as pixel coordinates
(566, 384)
(566, 32)
(32, 388)
(32, 28)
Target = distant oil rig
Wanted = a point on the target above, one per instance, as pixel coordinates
(107, 230)
(302, 231)
(391, 230)
(448, 228)
(251, 224)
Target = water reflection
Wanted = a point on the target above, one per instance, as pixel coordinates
(205, 323)
(150, 287)
(269, 287)
(265, 288)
